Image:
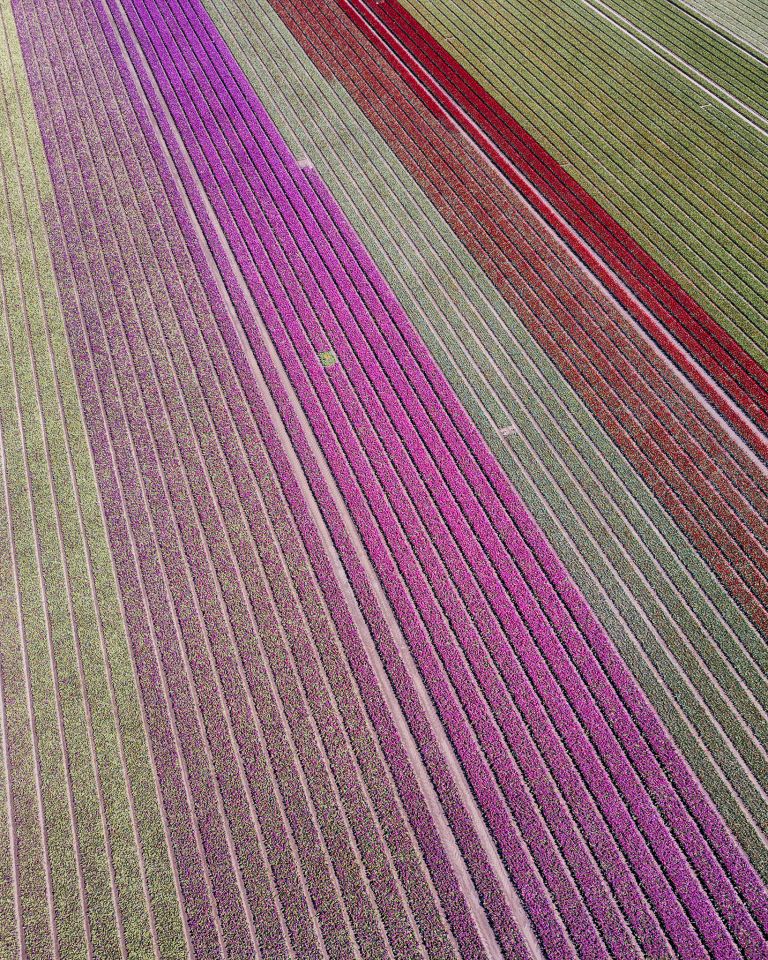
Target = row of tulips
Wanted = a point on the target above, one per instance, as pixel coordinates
(490, 890)
(190, 724)
(462, 825)
(137, 383)
(344, 402)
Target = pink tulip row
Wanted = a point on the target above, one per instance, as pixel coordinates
(462, 825)
(492, 894)
(262, 537)
(504, 567)
(542, 585)
(139, 384)
(388, 900)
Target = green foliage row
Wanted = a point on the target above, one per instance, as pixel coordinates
(744, 22)
(86, 713)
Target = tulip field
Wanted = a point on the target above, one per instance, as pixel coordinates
(384, 480)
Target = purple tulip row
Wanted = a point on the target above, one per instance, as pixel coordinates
(154, 577)
(387, 897)
(132, 349)
(83, 306)
(303, 657)
(493, 897)
(503, 576)
(117, 393)
(468, 838)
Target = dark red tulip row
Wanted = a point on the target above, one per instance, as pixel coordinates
(639, 283)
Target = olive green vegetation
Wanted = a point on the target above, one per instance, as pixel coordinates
(744, 21)
(684, 638)
(728, 71)
(327, 358)
(76, 742)
(681, 172)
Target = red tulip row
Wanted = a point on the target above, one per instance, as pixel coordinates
(648, 292)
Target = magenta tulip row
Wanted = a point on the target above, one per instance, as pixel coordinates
(486, 883)
(462, 825)
(441, 873)
(131, 408)
(390, 426)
